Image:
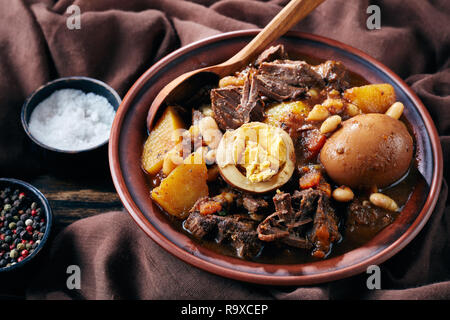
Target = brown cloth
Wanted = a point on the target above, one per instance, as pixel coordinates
(119, 40)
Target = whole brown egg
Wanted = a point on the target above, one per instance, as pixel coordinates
(369, 150)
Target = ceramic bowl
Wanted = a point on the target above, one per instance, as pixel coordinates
(36, 196)
(84, 84)
(129, 133)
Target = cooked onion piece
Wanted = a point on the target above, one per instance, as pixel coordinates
(256, 157)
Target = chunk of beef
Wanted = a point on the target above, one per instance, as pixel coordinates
(254, 205)
(225, 103)
(325, 227)
(201, 225)
(294, 73)
(241, 234)
(234, 106)
(294, 213)
(273, 53)
(235, 230)
(285, 79)
(251, 106)
(257, 208)
(284, 225)
(273, 89)
(334, 74)
(365, 220)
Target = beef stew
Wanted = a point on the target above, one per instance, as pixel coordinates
(272, 214)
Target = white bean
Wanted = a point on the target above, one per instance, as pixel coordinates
(207, 110)
(343, 194)
(330, 124)
(313, 93)
(318, 113)
(210, 132)
(383, 201)
(171, 160)
(211, 156)
(395, 111)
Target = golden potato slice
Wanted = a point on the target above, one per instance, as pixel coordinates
(181, 189)
(276, 114)
(372, 98)
(163, 137)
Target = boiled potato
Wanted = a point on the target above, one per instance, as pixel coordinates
(163, 137)
(181, 189)
(197, 157)
(372, 98)
(277, 114)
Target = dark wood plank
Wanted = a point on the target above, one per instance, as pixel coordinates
(72, 198)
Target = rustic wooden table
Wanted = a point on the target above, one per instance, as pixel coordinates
(78, 189)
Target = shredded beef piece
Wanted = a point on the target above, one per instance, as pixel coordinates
(334, 74)
(325, 227)
(235, 230)
(288, 224)
(241, 233)
(254, 205)
(273, 53)
(284, 225)
(251, 105)
(285, 79)
(201, 225)
(225, 103)
(294, 73)
(234, 106)
(273, 89)
(365, 220)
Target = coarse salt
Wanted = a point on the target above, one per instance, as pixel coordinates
(72, 120)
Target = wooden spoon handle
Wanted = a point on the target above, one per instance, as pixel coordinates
(291, 14)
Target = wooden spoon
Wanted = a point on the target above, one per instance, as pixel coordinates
(189, 82)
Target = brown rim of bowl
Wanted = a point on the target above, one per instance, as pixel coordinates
(348, 271)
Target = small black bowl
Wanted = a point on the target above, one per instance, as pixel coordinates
(84, 84)
(36, 196)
